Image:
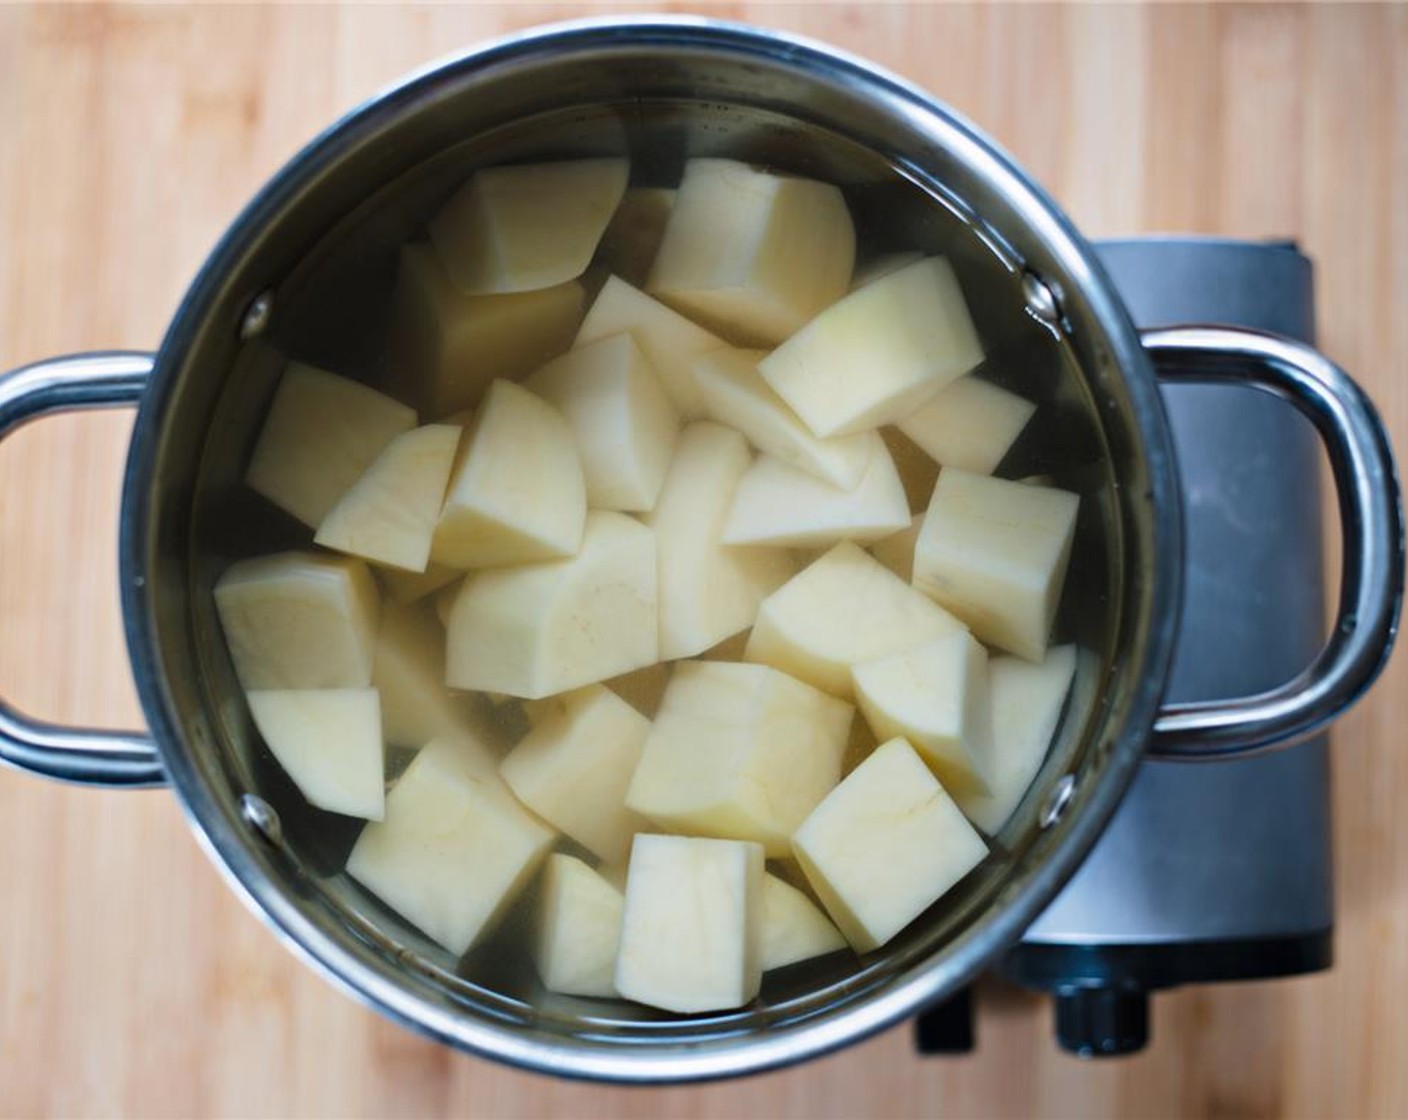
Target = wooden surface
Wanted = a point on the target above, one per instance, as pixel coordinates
(132, 981)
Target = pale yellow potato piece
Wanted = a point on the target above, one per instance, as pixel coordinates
(573, 767)
(793, 929)
(409, 672)
(690, 935)
(777, 504)
(632, 238)
(329, 742)
(448, 346)
(537, 629)
(751, 254)
(735, 394)
(708, 591)
(843, 609)
(1026, 703)
(970, 424)
(882, 266)
(578, 929)
(624, 423)
(517, 494)
(885, 845)
(526, 227)
(322, 431)
(670, 342)
(739, 751)
(935, 696)
(299, 620)
(995, 552)
(411, 587)
(455, 848)
(880, 353)
(896, 551)
(389, 514)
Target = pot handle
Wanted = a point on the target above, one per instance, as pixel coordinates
(1371, 516)
(73, 754)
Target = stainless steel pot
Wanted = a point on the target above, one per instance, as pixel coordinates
(200, 397)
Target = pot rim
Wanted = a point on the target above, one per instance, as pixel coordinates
(962, 958)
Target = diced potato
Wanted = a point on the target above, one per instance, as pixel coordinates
(573, 768)
(885, 845)
(896, 551)
(936, 697)
(882, 266)
(389, 514)
(624, 423)
(632, 239)
(329, 742)
(643, 688)
(734, 394)
(517, 494)
(845, 608)
(448, 346)
(579, 929)
(793, 929)
(411, 587)
(752, 254)
(877, 355)
(1026, 702)
(321, 433)
(917, 470)
(995, 552)
(537, 629)
(690, 935)
(739, 751)
(409, 672)
(970, 424)
(669, 341)
(522, 228)
(777, 504)
(455, 848)
(299, 620)
(708, 592)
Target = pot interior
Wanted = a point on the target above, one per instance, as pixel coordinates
(323, 241)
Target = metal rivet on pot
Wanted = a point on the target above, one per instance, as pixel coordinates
(1042, 302)
(256, 318)
(259, 814)
(1058, 800)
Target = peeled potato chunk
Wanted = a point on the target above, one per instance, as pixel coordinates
(448, 346)
(455, 847)
(411, 587)
(389, 514)
(573, 767)
(843, 609)
(537, 629)
(1026, 702)
(896, 551)
(936, 697)
(739, 751)
(752, 254)
(877, 355)
(298, 620)
(690, 936)
(970, 424)
(321, 433)
(409, 672)
(518, 493)
(329, 742)
(793, 929)
(777, 504)
(526, 227)
(624, 423)
(708, 591)
(632, 238)
(579, 929)
(995, 552)
(734, 394)
(885, 845)
(882, 266)
(669, 341)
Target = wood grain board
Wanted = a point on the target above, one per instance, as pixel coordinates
(131, 979)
